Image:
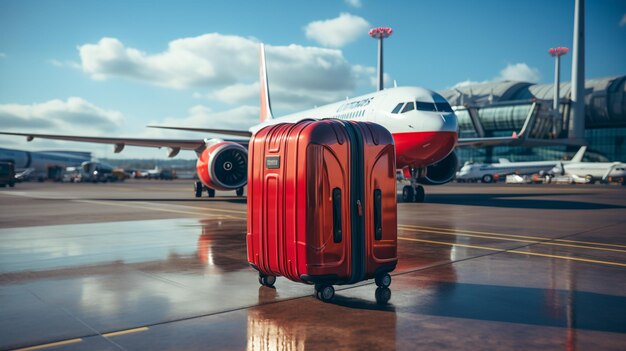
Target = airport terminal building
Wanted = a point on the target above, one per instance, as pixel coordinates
(502, 108)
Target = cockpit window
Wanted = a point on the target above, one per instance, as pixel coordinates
(397, 108)
(408, 107)
(443, 107)
(426, 106)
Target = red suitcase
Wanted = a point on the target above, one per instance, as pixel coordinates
(322, 204)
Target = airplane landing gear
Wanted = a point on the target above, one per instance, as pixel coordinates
(413, 192)
(199, 188)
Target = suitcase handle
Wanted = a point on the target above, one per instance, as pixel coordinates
(337, 235)
(378, 215)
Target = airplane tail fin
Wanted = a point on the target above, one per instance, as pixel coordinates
(266, 107)
(579, 155)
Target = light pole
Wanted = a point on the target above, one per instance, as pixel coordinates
(380, 33)
(557, 53)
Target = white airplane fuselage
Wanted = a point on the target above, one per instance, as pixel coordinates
(422, 133)
(595, 170)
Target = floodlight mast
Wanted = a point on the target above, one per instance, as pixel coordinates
(557, 53)
(380, 33)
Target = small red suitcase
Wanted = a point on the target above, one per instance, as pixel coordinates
(322, 204)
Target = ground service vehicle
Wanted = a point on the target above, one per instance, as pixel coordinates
(322, 204)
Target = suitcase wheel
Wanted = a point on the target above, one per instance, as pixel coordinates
(324, 292)
(267, 280)
(383, 280)
(383, 295)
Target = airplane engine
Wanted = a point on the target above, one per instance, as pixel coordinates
(223, 166)
(441, 172)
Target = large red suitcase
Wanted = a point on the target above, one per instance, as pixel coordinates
(322, 204)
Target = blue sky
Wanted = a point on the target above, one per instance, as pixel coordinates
(111, 67)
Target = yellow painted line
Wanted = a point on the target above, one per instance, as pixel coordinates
(217, 209)
(123, 332)
(542, 242)
(200, 211)
(516, 252)
(52, 344)
(515, 236)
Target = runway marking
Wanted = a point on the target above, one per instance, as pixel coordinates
(52, 344)
(515, 236)
(73, 341)
(516, 252)
(154, 208)
(543, 241)
(123, 332)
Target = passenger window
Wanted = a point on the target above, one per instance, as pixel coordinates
(426, 106)
(397, 108)
(409, 107)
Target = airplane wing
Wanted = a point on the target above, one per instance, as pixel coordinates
(480, 142)
(242, 133)
(174, 144)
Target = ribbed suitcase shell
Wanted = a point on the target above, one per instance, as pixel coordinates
(298, 175)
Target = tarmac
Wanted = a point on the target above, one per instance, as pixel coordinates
(144, 265)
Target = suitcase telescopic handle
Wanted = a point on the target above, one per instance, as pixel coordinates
(378, 215)
(337, 235)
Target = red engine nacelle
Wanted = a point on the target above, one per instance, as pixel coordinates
(223, 166)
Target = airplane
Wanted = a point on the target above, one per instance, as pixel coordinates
(423, 125)
(42, 164)
(593, 171)
(487, 172)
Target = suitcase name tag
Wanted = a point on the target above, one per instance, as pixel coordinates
(272, 162)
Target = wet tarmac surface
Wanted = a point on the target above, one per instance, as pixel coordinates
(144, 265)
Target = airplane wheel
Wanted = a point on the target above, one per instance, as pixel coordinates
(383, 295)
(198, 189)
(239, 192)
(210, 192)
(420, 195)
(383, 280)
(407, 194)
(487, 178)
(326, 293)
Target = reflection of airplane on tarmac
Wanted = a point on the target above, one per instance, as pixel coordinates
(487, 172)
(593, 171)
(422, 123)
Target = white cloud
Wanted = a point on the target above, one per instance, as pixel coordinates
(207, 60)
(354, 3)
(236, 93)
(238, 118)
(3, 55)
(622, 23)
(227, 67)
(74, 115)
(337, 32)
(71, 64)
(519, 72)
(466, 83)
(515, 72)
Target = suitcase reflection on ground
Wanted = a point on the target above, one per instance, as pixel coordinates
(219, 249)
(346, 323)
